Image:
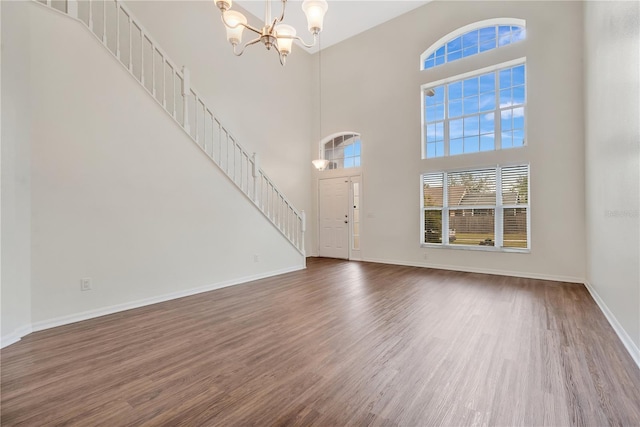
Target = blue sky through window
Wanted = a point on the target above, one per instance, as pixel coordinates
(470, 108)
(474, 42)
(343, 151)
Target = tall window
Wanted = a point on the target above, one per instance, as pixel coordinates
(484, 208)
(472, 40)
(342, 151)
(482, 112)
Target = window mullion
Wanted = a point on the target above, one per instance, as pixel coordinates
(445, 209)
(424, 218)
(499, 215)
(446, 121)
(528, 206)
(497, 117)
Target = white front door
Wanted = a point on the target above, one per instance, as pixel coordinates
(334, 218)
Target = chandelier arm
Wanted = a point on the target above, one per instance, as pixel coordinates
(281, 57)
(272, 28)
(247, 26)
(315, 40)
(284, 4)
(252, 42)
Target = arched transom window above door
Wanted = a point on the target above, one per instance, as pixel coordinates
(342, 150)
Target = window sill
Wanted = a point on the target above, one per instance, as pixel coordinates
(475, 248)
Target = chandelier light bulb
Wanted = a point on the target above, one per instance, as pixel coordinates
(315, 10)
(234, 22)
(285, 34)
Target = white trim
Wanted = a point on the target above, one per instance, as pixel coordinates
(627, 341)
(470, 27)
(497, 249)
(335, 135)
(474, 73)
(526, 275)
(15, 336)
(91, 314)
(355, 254)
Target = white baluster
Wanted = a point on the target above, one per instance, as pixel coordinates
(195, 117)
(254, 173)
(173, 88)
(287, 219)
(90, 4)
(142, 37)
(164, 84)
(72, 8)
(185, 98)
(204, 126)
(130, 44)
(153, 70)
(118, 29)
(219, 143)
(104, 22)
(303, 229)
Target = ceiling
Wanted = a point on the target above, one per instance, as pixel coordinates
(344, 19)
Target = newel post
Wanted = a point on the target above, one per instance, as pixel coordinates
(303, 229)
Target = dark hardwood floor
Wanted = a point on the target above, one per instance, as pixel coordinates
(337, 344)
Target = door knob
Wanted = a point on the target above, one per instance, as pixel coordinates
(345, 221)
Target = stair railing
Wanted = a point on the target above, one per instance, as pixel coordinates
(115, 27)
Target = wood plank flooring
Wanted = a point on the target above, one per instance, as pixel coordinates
(340, 343)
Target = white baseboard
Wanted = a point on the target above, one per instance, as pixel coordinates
(15, 336)
(91, 314)
(525, 275)
(631, 347)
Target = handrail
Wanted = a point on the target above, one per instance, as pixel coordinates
(171, 88)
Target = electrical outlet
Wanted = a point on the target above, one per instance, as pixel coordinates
(425, 256)
(256, 258)
(85, 284)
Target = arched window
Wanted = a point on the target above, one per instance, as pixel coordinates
(480, 105)
(342, 150)
(473, 39)
(482, 109)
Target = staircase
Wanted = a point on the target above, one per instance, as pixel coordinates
(130, 44)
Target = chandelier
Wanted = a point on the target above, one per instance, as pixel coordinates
(273, 33)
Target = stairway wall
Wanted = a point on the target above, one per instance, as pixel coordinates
(266, 106)
(15, 225)
(120, 194)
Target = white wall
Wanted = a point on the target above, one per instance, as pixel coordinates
(118, 191)
(266, 106)
(612, 97)
(371, 84)
(16, 181)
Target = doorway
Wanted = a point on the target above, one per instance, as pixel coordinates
(339, 201)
